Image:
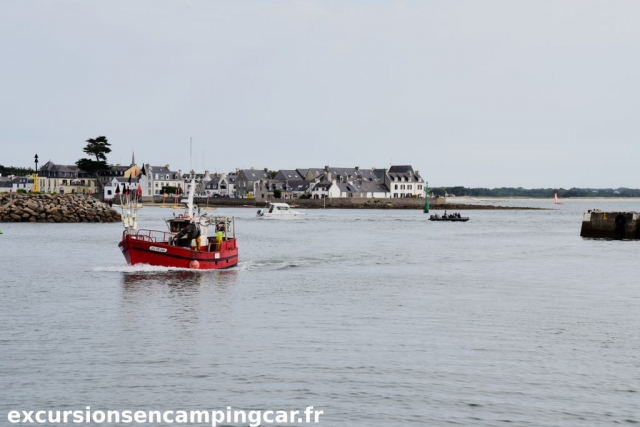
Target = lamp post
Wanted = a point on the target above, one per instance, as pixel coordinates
(36, 186)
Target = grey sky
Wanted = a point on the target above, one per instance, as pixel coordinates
(475, 93)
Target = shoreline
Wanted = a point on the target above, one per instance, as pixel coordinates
(384, 204)
(568, 199)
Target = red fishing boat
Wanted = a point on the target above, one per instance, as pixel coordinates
(187, 244)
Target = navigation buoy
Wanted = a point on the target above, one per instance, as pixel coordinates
(194, 264)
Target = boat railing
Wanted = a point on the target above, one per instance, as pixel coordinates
(153, 236)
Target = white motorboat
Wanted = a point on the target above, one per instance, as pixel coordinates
(278, 211)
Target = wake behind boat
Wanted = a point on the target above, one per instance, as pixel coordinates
(186, 244)
(278, 211)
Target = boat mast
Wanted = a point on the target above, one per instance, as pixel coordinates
(190, 200)
(193, 180)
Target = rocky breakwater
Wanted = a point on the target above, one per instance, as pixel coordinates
(15, 207)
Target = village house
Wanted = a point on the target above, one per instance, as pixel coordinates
(288, 189)
(12, 183)
(121, 183)
(403, 181)
(65, 179)
(105, 177)
(248, 180)
(325, 189)
(157, 177)
(221, 185)
(201, 180)
(22, 183)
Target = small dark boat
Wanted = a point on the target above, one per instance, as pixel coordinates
(452, 219)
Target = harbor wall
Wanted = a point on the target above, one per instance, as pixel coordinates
(611, 225)
(345, 203)
(17, 207)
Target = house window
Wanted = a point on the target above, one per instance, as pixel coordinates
(409, 187)
(396, 186)
(419, 187)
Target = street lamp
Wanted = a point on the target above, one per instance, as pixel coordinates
(35, 186)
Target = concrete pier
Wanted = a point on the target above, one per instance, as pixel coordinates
(611, 225)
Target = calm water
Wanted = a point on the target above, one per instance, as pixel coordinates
(379, 318)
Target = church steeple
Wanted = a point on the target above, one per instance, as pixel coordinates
(133, 158)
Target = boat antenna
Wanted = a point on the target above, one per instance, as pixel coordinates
(190, 154)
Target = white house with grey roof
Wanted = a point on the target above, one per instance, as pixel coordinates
(367, 190)
(221, 185)
(398, 181)
(122, 183)
(403, 181)
(6, 186)
(157, 177)
(325, 189)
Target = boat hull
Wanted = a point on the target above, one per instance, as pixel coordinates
(450, 219)
(281, 217)
(143, 251)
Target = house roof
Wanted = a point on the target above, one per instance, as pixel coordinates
(300, 185)
(21, 179)
(412, 177)
(316, 172)
(289, 174)
(353, 173)
(160, 169)
(254, 174)
(50, 166)
(365, 187)
(401, 169)
(123, 180)
(404, 171)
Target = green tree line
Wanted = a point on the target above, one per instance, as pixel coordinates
(11, 170)
(563, 193)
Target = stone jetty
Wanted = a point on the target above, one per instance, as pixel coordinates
(611, 225)
(17, 207)
(351, 203)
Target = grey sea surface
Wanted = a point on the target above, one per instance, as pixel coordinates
(376, 317)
